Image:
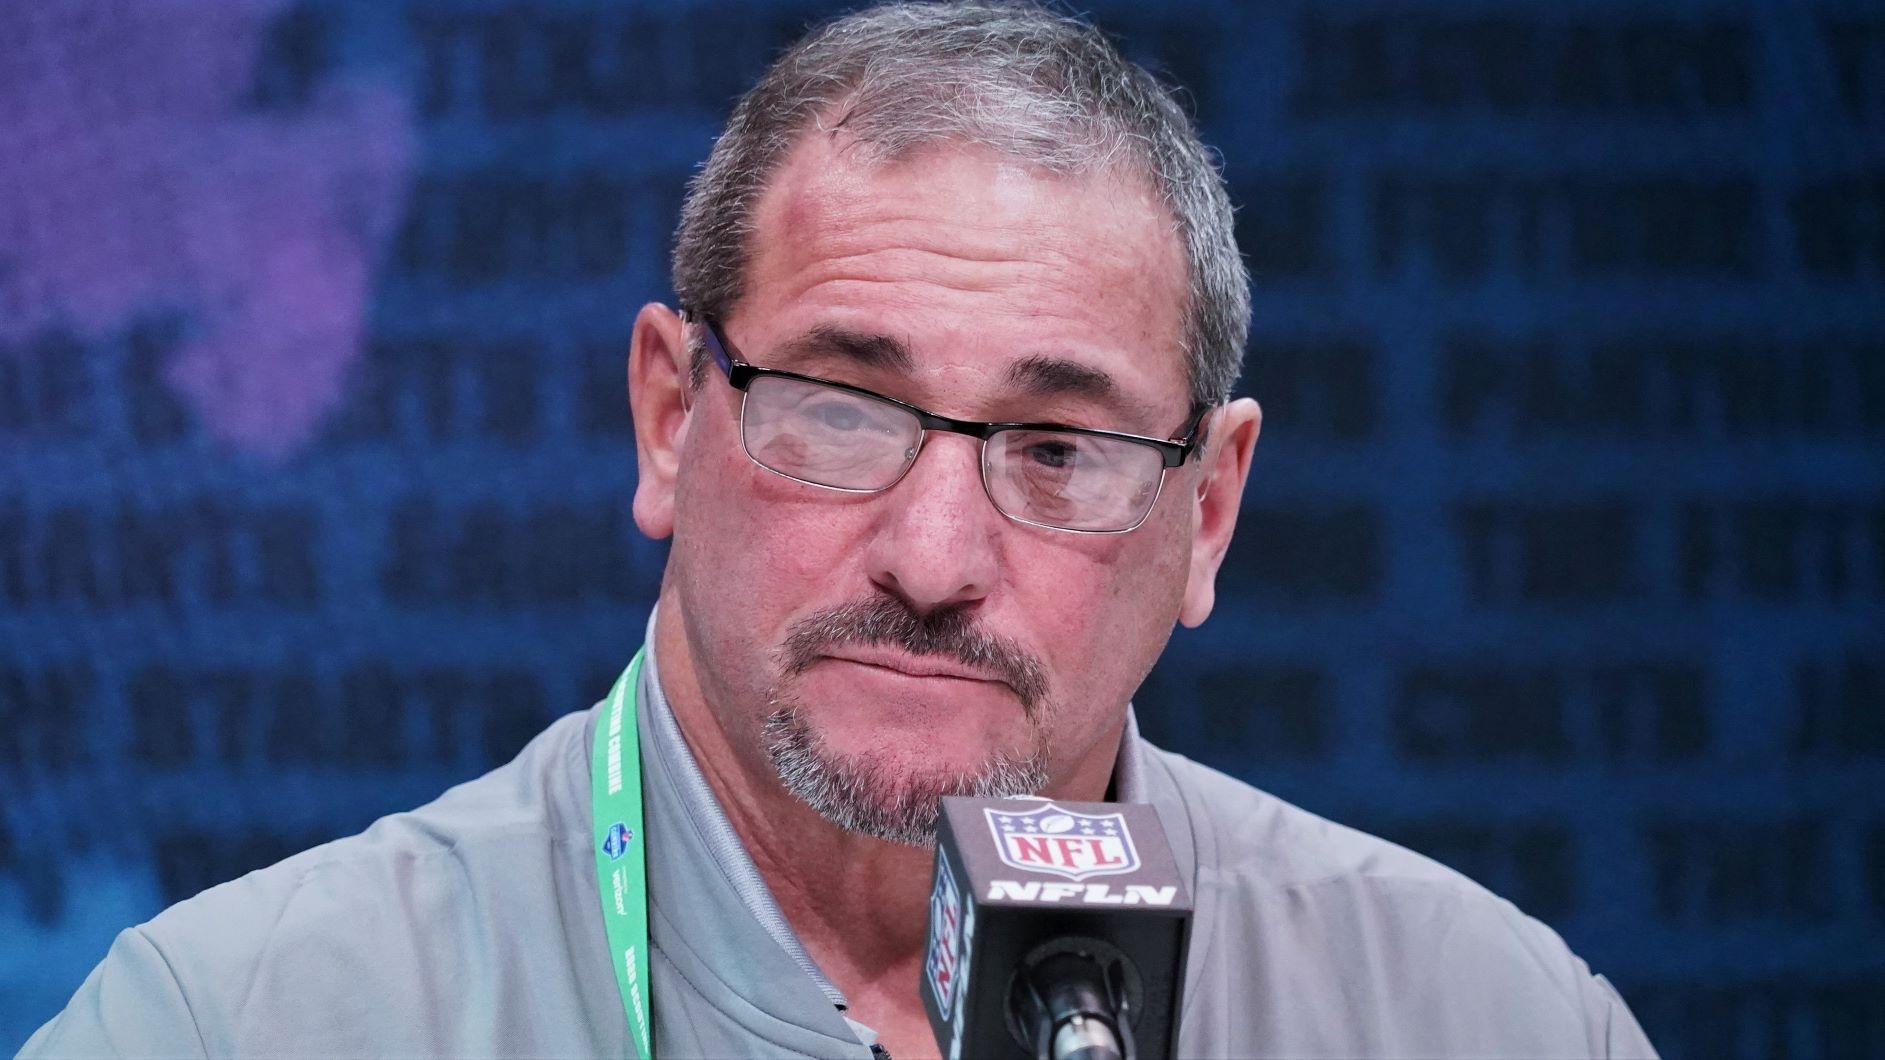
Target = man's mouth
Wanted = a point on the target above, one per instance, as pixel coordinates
(909, 665)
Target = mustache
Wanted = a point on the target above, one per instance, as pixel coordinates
(946, 632)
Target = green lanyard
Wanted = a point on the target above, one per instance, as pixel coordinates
(621, 849)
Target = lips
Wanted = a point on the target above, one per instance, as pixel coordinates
(911, 665)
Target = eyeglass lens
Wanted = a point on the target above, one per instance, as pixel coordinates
(832, 437)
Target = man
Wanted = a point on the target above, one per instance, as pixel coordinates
(943, 445)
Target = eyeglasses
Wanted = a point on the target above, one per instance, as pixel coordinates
(847, 438)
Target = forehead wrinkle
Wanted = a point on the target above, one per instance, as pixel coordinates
(965, 253)
(933, 268)
(900, 273)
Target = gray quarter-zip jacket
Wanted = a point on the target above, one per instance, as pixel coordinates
(472, 927)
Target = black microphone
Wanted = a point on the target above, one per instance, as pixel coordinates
(1057, 931)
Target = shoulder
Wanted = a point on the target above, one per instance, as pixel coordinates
(1242, 829)
(1259, 846)
(405, 857)
(329, 944)
(1435, 961)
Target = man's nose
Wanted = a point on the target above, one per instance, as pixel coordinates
(939, 540)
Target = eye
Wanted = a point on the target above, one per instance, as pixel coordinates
(1052, 454)
(837, 415)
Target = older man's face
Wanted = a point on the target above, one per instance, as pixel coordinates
(848, 619)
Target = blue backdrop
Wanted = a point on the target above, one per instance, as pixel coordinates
(1563, 558)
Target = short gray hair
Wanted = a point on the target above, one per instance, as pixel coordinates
(1015, 77)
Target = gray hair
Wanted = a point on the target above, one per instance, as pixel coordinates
(1014, 77)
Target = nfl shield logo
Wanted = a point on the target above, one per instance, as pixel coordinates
(1064, 842)
(615, 844)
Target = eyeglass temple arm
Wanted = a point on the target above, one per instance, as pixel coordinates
(715, 348)
(1199, 433)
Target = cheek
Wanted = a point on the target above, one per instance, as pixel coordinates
(745, 535)
(1104, 609)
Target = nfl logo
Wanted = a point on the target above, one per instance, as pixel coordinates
(945, 938)
(616, 843)
(1064, 842)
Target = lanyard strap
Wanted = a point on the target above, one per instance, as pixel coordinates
(621, 850)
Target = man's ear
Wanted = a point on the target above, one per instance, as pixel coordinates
(658, 400)
(1224, 466)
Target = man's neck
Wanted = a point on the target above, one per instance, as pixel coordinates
(856, 903)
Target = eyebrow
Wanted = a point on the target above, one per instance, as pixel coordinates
(1044, 376)
(864, 349)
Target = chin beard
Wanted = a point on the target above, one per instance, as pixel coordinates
(863, 796)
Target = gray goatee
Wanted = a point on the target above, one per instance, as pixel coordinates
(861, 794)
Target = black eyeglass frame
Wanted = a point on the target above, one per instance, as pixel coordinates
(740, 374)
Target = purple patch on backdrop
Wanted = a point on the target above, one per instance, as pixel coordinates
(134, 178)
